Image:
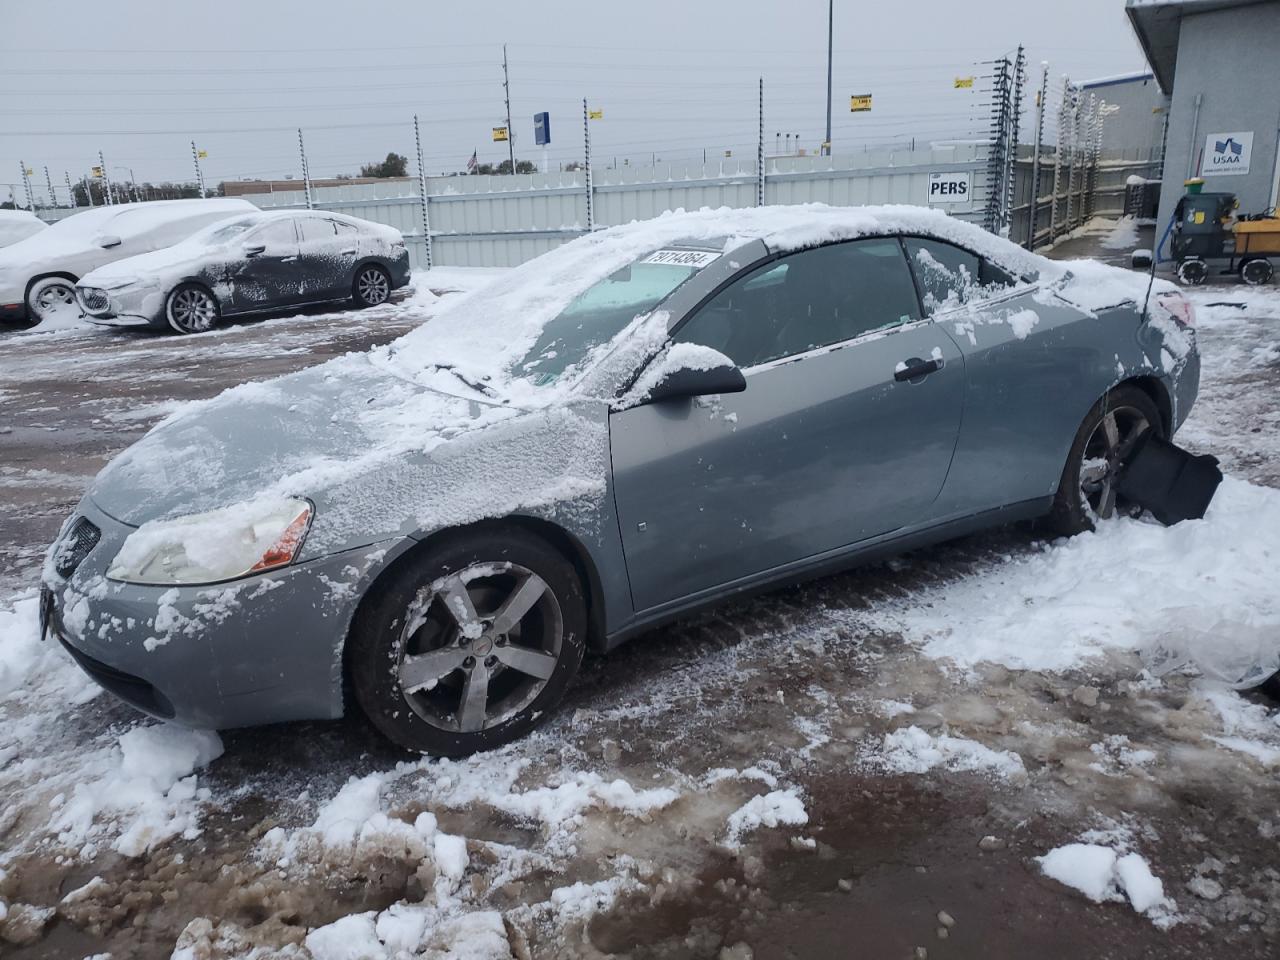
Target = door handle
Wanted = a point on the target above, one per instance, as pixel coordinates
(347, 253)
(916, 369)
(288, 259)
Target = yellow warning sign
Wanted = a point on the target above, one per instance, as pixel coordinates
(860, 103)
(499, 133)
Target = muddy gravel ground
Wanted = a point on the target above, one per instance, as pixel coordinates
(799, 693)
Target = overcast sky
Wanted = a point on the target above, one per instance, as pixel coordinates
(139, 80)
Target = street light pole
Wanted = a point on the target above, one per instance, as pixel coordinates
(831, 19)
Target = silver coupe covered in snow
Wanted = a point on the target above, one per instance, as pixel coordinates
(250, 264)
(636, 425)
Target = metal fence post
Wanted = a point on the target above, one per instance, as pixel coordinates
(106, 180)
(586, 153)
(1032, 214)
(71, 194)
(760, 149)
(26, 182)
(195, 156)
(1072, 132)
(422, 189)
(306, 173)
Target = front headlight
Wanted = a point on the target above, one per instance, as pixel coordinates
(211, 547)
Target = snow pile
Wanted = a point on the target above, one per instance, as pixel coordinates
(767, 810)
(1247, 728)
(22, 655)
(1102, 874)
(148, 786)
(1206, 588)
(404, 931)
(1124, 236)
(912, 750)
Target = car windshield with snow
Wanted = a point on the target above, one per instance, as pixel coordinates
(250, 264)
(632, 427)
(38, 274)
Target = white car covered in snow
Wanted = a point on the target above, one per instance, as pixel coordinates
(17, 225)
(265, 260)
(38, 275)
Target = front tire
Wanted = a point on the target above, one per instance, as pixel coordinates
(51, 296)
(191, 308)
(470, 647)
(372, 286)
(1087, 490)
(1193, 272)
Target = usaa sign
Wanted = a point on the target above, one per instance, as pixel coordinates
(1227, 154)
(950, 187)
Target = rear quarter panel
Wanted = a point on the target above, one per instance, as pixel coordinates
(1035, 364)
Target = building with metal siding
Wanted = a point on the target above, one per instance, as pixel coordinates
(1220, 62)
(1136, 113)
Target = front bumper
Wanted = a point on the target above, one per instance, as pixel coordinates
(264, 649)
(135, 306)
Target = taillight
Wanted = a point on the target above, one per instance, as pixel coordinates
(1179, 307)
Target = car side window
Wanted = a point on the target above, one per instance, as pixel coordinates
(949, 275)
(807, 300)
(314, 228)
(345, 229)
(275, 235)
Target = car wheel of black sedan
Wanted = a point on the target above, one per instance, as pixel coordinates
(372, 287)
(1087, 492)
(50, 296)
(471, 646)
(191, 309)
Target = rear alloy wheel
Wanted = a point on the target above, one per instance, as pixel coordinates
(191, 309)
(1257, 272)
(1087, 492)
(1193, 272)
(471, 648)
(51, 297)
(372, 287)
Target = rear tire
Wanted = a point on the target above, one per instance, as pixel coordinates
(191, 308)
(1086, 493)
(1257, 272)
(372, 286)
(472, 645)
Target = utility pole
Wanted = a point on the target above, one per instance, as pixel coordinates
(71, 194)
(422, 189)
(506, 93)
(760, 151)
(586, 150)
(831, 20)
(306, 172)
(48, 181)
(195, 156)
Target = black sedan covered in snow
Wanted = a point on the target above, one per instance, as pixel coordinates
(250, 264)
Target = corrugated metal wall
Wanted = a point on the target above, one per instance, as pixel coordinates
(489, 221)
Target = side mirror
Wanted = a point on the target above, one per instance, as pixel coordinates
(1140, 260)
(252, 250)
(107, 242)
(689, 370)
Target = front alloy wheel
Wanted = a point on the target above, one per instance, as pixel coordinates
(51, 297)
(373, 287)
(191, 309)
(471, 646)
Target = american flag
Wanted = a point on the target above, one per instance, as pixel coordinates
(472, 163)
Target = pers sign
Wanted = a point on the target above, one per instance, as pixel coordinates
(950, 187)
(1227, 154)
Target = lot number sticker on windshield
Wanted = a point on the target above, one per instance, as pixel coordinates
(682, 258)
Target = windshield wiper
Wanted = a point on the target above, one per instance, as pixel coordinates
(476, 385)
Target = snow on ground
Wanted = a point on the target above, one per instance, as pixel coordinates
(1123, 236)
(1011, 670)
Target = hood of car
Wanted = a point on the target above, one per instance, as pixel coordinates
(305, 435)
(155, 265)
